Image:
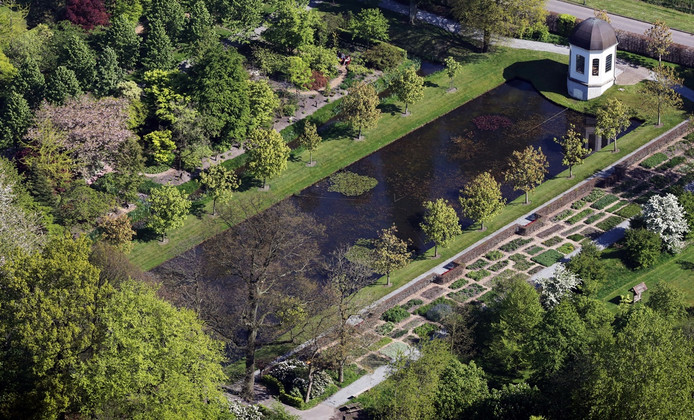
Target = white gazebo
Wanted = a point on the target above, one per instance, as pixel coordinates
(592, 54)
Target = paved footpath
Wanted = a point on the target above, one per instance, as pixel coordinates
(618, 22)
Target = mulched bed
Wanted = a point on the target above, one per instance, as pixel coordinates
(554, 229)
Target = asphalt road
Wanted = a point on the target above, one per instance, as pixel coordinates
(618, 22)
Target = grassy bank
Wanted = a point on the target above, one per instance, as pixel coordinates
(643, 11)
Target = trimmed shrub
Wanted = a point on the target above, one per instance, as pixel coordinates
(654, 160)
(548, 257)
(395, 314)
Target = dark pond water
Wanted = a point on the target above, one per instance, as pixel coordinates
(437, 160)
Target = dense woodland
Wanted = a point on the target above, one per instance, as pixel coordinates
(95, 93)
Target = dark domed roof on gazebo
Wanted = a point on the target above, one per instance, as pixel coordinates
(593, 34)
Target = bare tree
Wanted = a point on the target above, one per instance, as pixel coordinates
(345, 278)
(268, 256)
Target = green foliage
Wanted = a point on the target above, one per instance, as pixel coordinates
(593, 218)
(438, 312)
(499, 265)
(108, 74)
(642, 247)
(15, 118)
(292, 27)
(458, 284)
(533, 250)
(677, 160)
(477, 275)
(351, 184)
(262, 104)
(425, 330)
(359, 107)
(548, 257)
(565, 24)
(30, 82)
(452, 68)
(579, 216)
(161, 146)
(168, 208)
(82, 205)
(80, 58)
(221, 90)
(157, 50)
(481, 198)
(199, 26)
(654, 160)
(169, 14)
(299, 72)
(440, 222)
(320, 59)
(219, 183)
(310, 139)
(370, 24)
(422, 310)
(573, 148)
(395, 314)
(566, 248)
(129, 10)
(386, 328)
(527, 169)
(552, 241)
(384, 56)
(408, 86)
(124, 41)
(629, 211)
(494, 255)
(267, 153)
(612, 119)
(461, 387)
(162, 97)
(609, 223)
(61, 85)
(515, 244)
(389, 252)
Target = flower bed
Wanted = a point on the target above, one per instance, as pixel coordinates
(515, 244)
(477, 275)
(499, 265)
(617, 206)
(458, 284)
(424, 330)
(593, 218)
(424, 309)
(654, 160)
(412, 303)
(494, 255)
(580, 216)
(395, 314)
(566, 248)
(629, 211)
(576, 237)
(609, 223)
(548, 257)
(552, 241)
(394, 350)
(465, 294)
(533, 250)
(677, 160)
(520, 262)
(478, 264)
(604, 202)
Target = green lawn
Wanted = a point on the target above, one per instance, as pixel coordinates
(677, 270)
(643, 11)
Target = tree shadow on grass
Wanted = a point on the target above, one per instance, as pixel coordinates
(428, 83)
(145, 234)
(391, 109)
(248, 182)
(686, 265)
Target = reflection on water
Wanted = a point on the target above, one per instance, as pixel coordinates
(437, 160)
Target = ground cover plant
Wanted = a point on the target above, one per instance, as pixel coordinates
(629, 211)
(578, 204)
(515, 244)
(552, 241)
(604, 202)
(477, 264)
(609, 223)
(494, 255)
(577, 237)
(499, 265)
(477, 275)
(548, 257)
(399, 333)
(563, 215)
(411, 304)
(458, 284)
(654, 160)
(385, 329)
(395, 314)
(441, 300)
(380, 343)
(465, 294)
(593, 218)
(533, 250)
(521, 263)
(594, 195)
(677, 160)
(425, 330)
(617, 206)
(395, 350)
(579, 216)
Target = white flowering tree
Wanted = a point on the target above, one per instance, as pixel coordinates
(665, 216)
(557, 286)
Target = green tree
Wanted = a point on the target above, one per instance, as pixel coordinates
(47, 156)
(310, 139)
(647, 368)
(30, 82)
(389, 252)
(220, 88)
(668, 301)
(170, 14)
(153, 361)
(15, 118)
(130, 10)
(219, 183)
(611, 119)
(267, 153)
(242, 17)
(168, 208)
(408, 87)
(62, 84)
(573, 148)
(82, 205)
(686, 200)
(370, 24)
(514, 315)
(157, 50)
(117, 231)
(80, 58)
(48, 310)
(162, 96)
(299, 72)
(441, 223)
(589, 267)
(199, 26)
(460, 387)
(129, 164)
(498, 17)
(108, 73)
(658, 39)
(262, 104)
(121, 36)
(660, 94)
(292, 27)
(452, 69)
(161, 146)
(481, 198)
(642, 247)
(526, 170)
(7, 70)
(359, 107)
